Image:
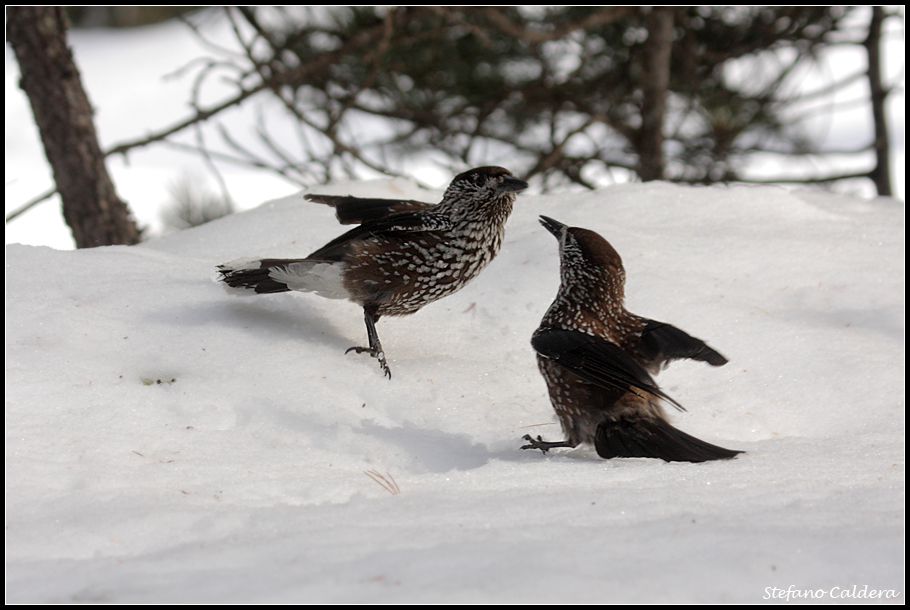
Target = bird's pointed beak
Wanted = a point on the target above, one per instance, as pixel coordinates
(553, 226)
(511, 184)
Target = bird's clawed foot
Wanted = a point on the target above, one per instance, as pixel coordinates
(543, 445)
(375, 350)
(534, 444)
(375, 353)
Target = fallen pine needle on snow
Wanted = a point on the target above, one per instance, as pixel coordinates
(389, 485)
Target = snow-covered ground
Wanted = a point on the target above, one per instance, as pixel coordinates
(166, 442)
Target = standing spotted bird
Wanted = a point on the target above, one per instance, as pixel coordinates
(402, 256)
(597, 359)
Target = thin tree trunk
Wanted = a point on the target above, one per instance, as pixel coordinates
(655, 83)
(881, 174)
(91, 208)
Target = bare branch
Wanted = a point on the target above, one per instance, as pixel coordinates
(603, 16)
(30, 204)
(815, 180)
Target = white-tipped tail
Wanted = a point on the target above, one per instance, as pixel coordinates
(242, 264)
(234, 267)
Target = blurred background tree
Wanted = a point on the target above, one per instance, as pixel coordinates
(585, 95)
(580, 95)
(92, 209)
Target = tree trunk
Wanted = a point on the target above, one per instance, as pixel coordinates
(881, 174)
(655, 83)
(94, 213)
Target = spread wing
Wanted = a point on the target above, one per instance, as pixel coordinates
(596, 361)
(661, 343)
(357, 210)
(387, 226)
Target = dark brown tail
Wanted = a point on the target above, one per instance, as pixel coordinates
(654, 438)
(253, 274)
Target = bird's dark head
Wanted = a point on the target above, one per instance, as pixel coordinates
(582, 244)
(585, 252)
(484, 183)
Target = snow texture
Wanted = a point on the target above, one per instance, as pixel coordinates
(169, 443)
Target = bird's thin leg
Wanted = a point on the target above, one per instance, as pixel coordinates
(543, 445)
(375, 349)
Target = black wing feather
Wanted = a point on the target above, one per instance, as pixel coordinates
(660, 343)
(406, 222)
(596, 360)
(356, 210)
